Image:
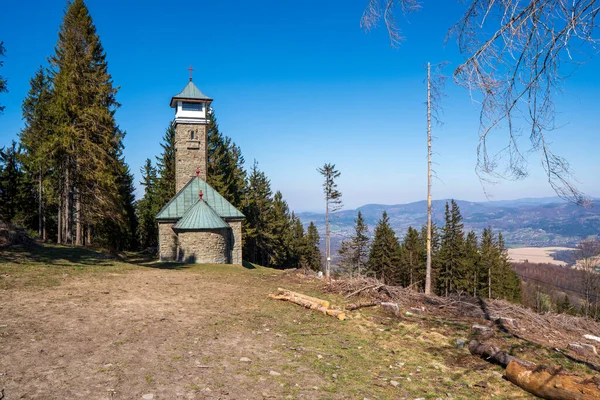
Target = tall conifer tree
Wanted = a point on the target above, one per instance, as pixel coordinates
(34, 140)
(385, 252)
(165, 185)
(86, 141)
(451, 277)
(313, 257)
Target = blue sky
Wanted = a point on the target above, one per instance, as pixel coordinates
(297, 84)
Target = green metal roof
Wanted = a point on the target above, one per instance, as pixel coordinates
(200, 216)
(190, 92)
(188, 196)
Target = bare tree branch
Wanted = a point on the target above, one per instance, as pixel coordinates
(517, 55)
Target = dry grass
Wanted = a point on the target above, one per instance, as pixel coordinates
(75, 323)
(538, 255)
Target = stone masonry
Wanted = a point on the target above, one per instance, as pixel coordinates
(190, 150)
(167, 241)
(206, 246)
(236, 232)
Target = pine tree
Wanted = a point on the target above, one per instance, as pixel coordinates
(147, 208)
(2, 80)
(385, 252)
(333, 203)
(451, 277)
(85, 139)
(34, 141)
(165, 185)
(312, 259)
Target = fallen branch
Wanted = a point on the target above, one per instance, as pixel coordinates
(352, 307)
(376, 287)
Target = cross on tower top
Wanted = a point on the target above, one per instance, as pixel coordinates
(190, 69)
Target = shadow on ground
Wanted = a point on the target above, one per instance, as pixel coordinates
(55, 255)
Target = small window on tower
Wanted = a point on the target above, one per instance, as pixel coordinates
(192, 135)
(186, 106)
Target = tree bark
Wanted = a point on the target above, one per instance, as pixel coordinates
(59, 237)
(428, 264)
(78, 224)
(552, 383)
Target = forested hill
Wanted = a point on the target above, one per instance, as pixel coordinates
(523, 222)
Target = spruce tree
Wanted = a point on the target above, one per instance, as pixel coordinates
(225, 164)
(471, 264)
(258, 240)
(17, 201)
(85, 139)
(360, 243)
(34, 141)
(385, 252)
(488, 258)
(451, 277)
(298, 243)
(147, 208)
(412, 260)
(2, 80)
(507, 284)
(281, 232)
(165, 185)
(313, 258)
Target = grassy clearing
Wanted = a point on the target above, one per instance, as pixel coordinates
(295, 353)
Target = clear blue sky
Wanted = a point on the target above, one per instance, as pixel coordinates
(297, 84)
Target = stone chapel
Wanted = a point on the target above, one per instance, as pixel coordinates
(197, 225)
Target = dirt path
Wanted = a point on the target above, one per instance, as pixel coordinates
(71, 329)
(158, 332)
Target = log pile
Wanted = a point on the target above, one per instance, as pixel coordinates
(309, 302)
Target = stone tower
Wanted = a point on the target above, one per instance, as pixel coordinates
(191, 112)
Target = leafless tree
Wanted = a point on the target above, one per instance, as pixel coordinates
(588, 260)
(435, 83)
(517, 54)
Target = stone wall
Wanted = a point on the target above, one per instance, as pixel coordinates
(190, 153)
(236, 253)
(206, 246)
(167, 241)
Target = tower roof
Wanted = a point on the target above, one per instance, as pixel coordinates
(200, 216)
(188, 196)
(190, 92)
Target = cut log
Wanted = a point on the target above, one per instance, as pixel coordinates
(310, 304)
(552, 383)
(286, 292)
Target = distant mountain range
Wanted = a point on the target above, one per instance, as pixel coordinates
(537, 222)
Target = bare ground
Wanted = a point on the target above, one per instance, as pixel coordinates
(74, 324)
